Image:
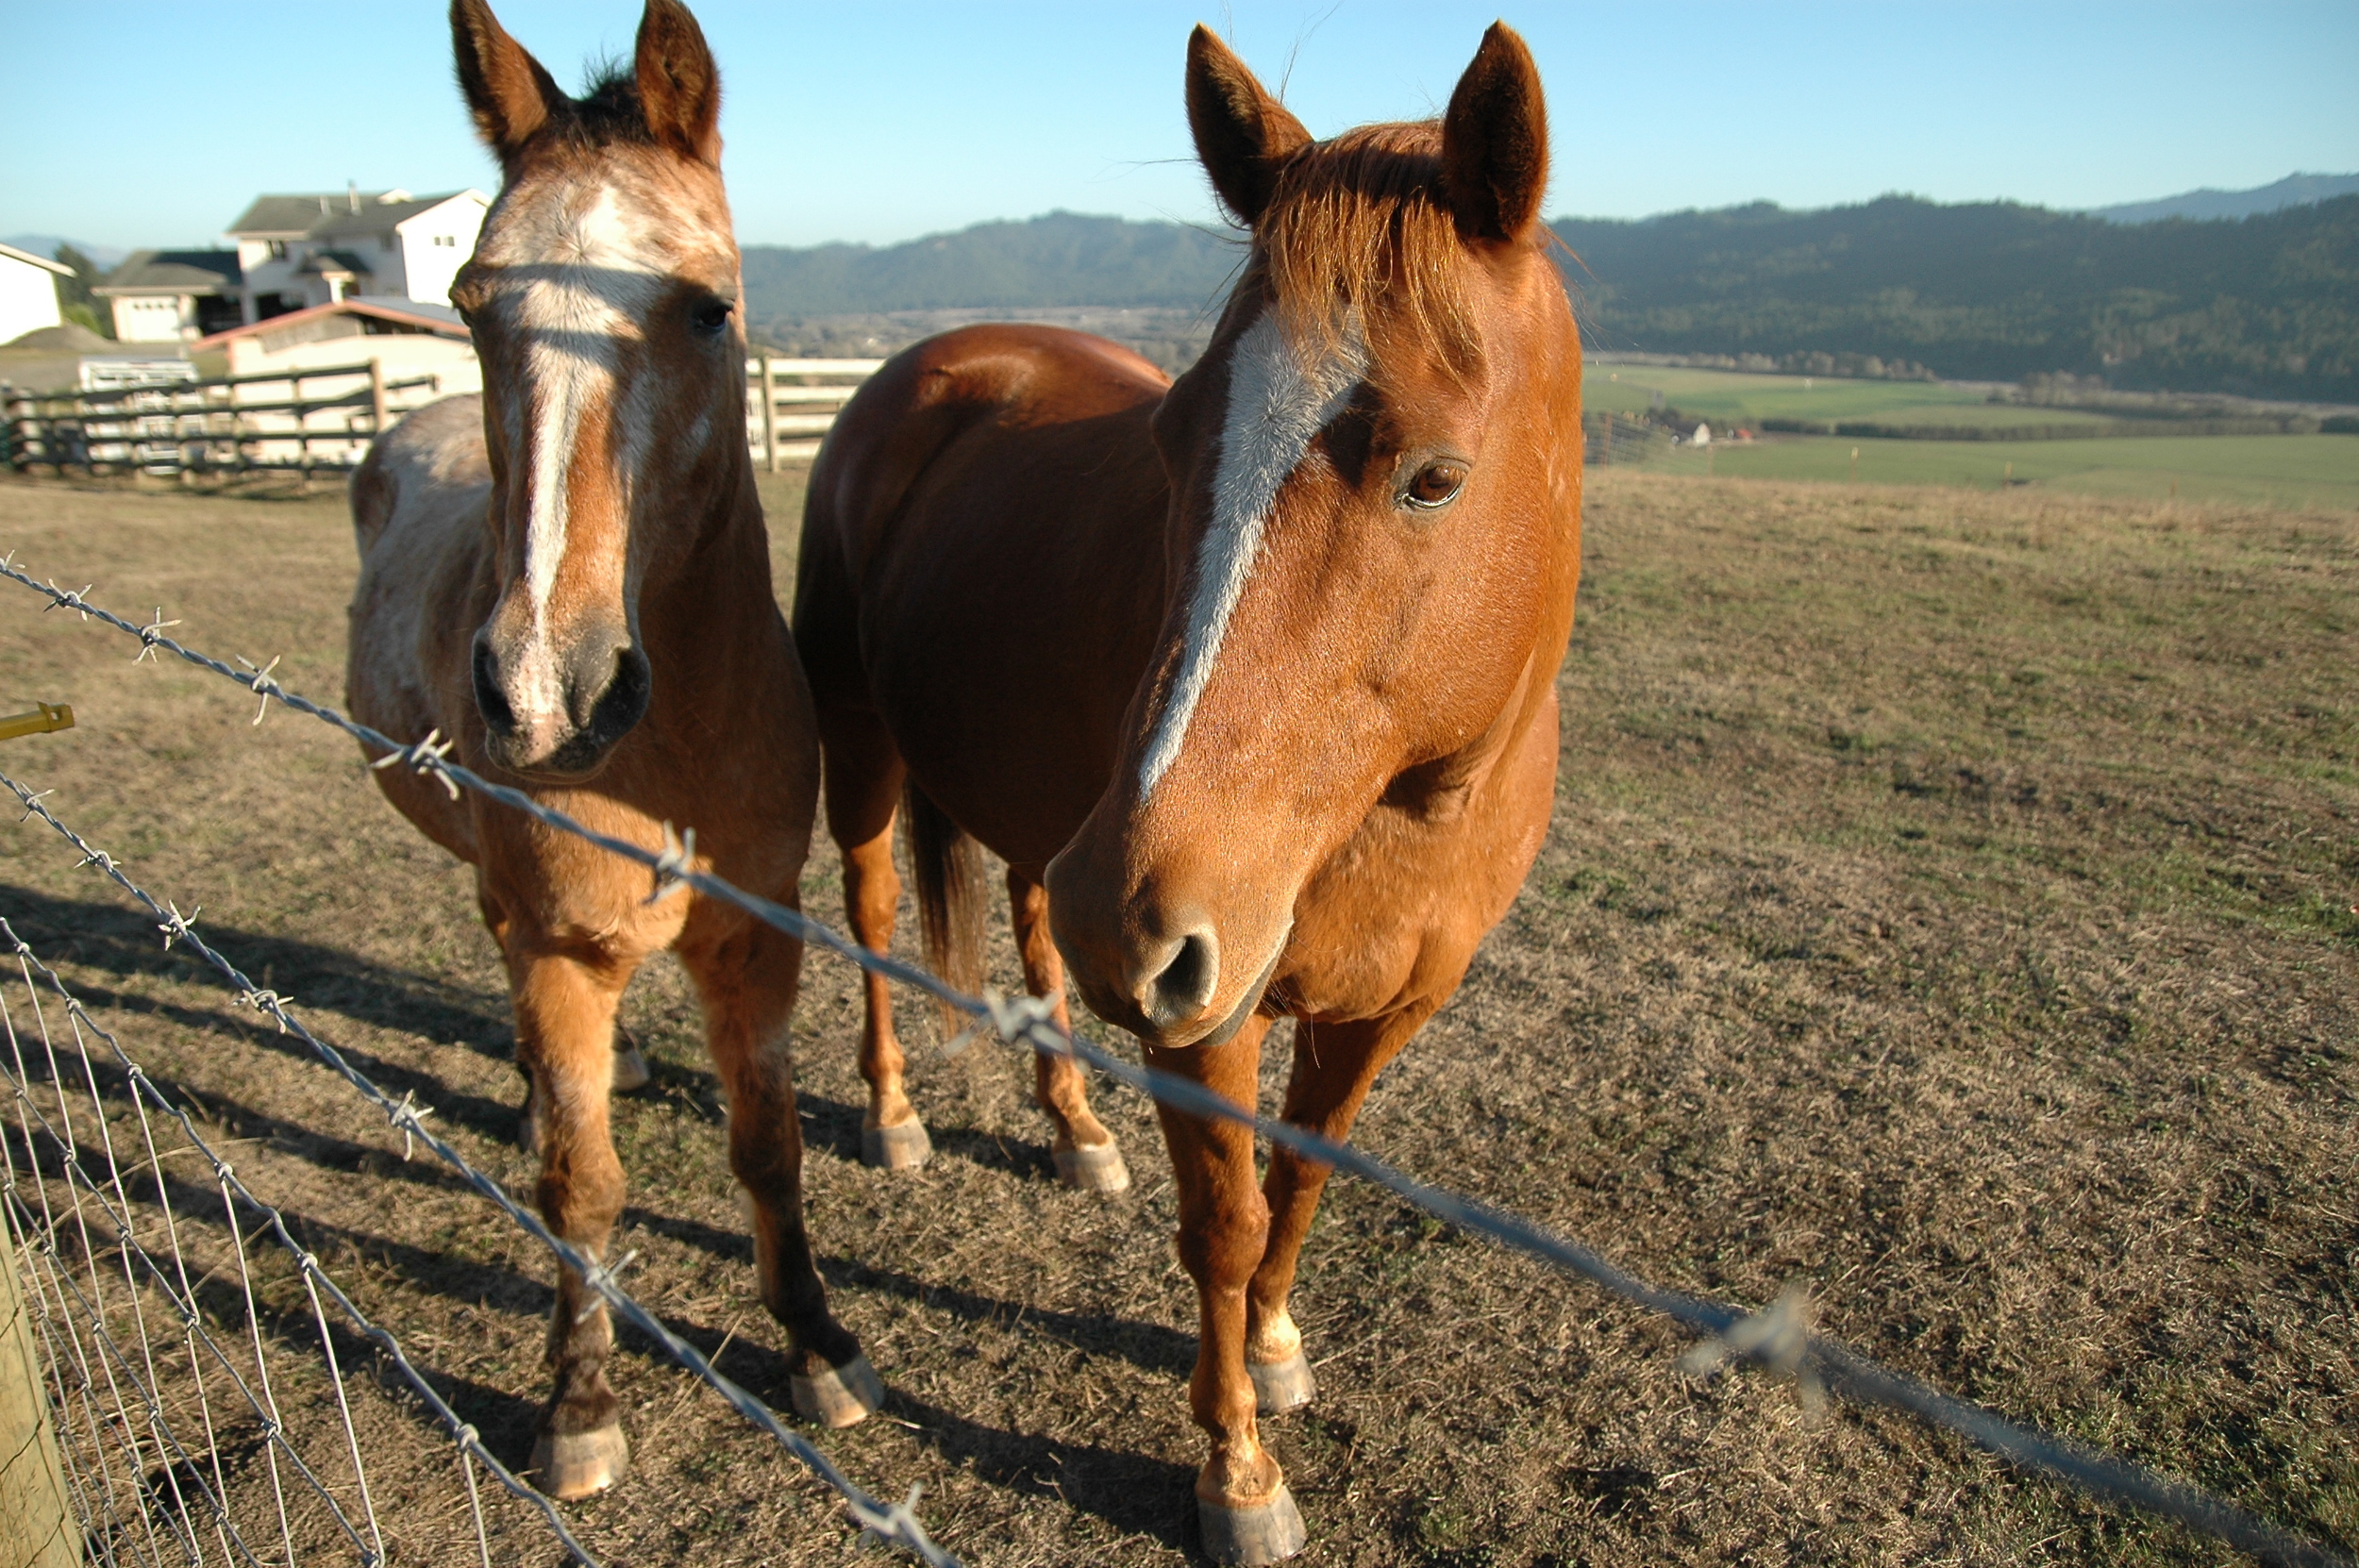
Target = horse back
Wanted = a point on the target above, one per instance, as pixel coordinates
(982, 566)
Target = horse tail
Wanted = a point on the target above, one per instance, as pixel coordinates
(949, 867)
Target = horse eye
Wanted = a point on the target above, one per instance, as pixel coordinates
(1436, 484)
(712, 315)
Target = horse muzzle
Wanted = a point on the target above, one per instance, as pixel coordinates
(1169, 973)
(555, 713)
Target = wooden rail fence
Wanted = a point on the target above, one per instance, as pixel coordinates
(325, 419)
(790, 403)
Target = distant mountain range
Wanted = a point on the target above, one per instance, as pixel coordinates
(2263, 306)
(2293, 190)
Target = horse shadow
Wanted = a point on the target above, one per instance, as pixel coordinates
(116, 938)
(1134, 1492)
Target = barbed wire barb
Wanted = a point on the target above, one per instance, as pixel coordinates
(673, 863)
(149, 633)
(262, 685)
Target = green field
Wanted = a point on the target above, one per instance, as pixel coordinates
(2319, 470)
(1725, 396)
(2290, 471)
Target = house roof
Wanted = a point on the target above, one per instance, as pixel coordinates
(290, 216)
(330, 215)
(379, 217)
(439, 320)
(175, 272)
(328, 262)
(29, 258)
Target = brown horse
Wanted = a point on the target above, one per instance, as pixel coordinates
(1250, 677)
(570, 577)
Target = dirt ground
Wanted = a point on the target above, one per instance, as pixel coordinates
(1949, 906)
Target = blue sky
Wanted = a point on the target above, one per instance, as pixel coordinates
(880, 120)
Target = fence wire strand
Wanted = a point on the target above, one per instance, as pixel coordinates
(1774, 1338)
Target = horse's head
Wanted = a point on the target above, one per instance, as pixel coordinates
(1375, 483)
(602, 295)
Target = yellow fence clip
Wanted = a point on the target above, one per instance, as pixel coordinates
(44, 719)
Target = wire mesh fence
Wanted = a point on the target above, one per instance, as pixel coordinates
(1777, 1337)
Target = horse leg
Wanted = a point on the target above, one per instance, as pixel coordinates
(1333, 1066)
(630, 1068)
(564, 1038)
(1086, 1154)
(1241, 1498)
(747, 980)
(863, 789)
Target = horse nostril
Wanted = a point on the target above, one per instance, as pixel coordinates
(489, 699)
(1185, 988)
(624, 702)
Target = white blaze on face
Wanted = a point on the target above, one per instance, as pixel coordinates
(592, 274)
(1276, 405)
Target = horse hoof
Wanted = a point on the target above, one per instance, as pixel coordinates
(630, 1069)
(1281, 1386)
(573, 1465)
(1265, 1532)
(1096, 1169)
(840, 1397)
(904, 1147)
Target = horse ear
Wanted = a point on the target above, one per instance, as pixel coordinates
(679, 87)
(507, 92)
(1495, 141)
(1243, 135)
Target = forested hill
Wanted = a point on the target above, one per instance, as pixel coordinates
(2266, 305)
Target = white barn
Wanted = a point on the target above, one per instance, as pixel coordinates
(299, 251)
(28, 292)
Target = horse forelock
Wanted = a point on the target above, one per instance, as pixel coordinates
(1358, 231)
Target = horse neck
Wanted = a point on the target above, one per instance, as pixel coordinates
(720, 581)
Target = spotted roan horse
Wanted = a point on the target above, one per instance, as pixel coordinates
(569, 577)
(1250, 677)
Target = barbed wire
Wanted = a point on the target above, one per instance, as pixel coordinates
(316, 1274)
(1776, 1338)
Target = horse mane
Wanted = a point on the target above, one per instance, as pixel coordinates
(1361, 221)
(607, 113)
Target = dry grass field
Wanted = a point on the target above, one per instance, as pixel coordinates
(1949, 906)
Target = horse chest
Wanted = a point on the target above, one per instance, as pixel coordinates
(1395, 916)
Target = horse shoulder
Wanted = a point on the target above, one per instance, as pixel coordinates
(418, 504)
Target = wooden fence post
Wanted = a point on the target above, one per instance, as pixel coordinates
(769, 415)
(377, 398)
(37, 1528)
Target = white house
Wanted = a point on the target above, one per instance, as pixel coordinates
(28, 292)
(168, 296)
(299, 251)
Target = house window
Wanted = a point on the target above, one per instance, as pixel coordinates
(278, 250)
(450, 240)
